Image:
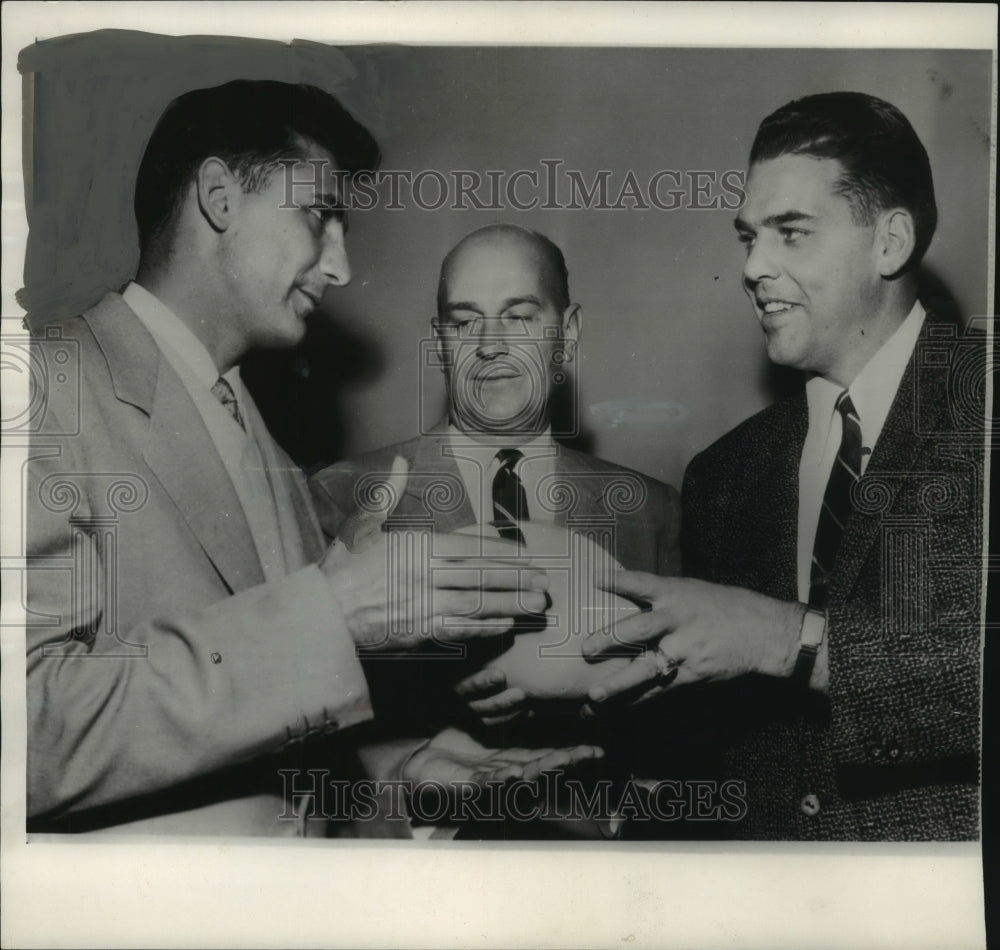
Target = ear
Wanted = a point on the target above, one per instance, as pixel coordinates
(571, 330)
(895, 239)
(443, 354)
(217, 189)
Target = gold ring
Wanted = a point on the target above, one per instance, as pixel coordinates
(666, 665)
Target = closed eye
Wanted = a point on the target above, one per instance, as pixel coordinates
(792, 235)
(327, 213)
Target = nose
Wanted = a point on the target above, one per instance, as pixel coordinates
(333, 260)
(759, 265)
(492, 336)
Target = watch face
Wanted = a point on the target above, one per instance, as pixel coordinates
(813, 628)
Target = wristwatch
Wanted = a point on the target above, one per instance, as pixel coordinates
(810, 639)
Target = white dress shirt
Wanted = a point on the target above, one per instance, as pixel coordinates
(242, 452)
(478, 465)
(872, 393)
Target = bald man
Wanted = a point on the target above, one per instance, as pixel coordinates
(505, 330)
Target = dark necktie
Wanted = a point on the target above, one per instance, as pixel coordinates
(836, 502)
(510, 504)
(224, 393)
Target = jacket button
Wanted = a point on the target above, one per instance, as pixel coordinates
(809, 805)
(894, 752)
(216, 657)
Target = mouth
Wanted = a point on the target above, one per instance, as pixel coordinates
(312, 300)
(774, 307)
(496, 373)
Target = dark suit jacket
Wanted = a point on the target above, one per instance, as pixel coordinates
(165, 678)
(893, 753)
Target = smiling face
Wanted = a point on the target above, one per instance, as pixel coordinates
(811, 270)
(501, 334)
(284, 248)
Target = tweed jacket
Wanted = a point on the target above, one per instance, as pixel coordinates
(892, 753)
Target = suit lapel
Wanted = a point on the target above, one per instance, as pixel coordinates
(782, 559)
(179, 452)
(765, 538)
(588, 492)
(431, 457)
(312, 535)
(895, 458)
(301, 535)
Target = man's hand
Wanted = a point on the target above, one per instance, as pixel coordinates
(442, 599)
(488, 696)
(700, 632)
(449, 597)
(455, 757)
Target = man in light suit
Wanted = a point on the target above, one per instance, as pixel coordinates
(192, 641)
(846, 522)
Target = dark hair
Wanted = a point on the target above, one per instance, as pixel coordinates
(885, 165)
(549, 250)
(249, 124)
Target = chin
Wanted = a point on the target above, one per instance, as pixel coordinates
(292, 332)
(783, 352)
(498, 419)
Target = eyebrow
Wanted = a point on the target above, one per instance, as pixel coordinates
(507, 304)
(330, 200)
(775, 220)
(333, 202)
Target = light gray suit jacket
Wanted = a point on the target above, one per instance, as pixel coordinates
(167, 682)
(585, 490)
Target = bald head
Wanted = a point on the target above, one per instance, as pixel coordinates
(506, 330)
(498, 245)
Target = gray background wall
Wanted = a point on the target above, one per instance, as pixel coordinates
(665, 321)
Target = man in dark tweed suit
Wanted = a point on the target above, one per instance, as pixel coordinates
(846, 522)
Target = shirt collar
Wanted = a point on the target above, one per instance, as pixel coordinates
(485, 452)
(175, 338)
(875, 387)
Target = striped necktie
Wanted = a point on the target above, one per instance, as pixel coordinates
(510, 503)
(836, 507)
(224, 393)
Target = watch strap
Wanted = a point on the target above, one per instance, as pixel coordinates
(810, 639)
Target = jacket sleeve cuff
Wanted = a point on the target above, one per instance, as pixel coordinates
(303, 666)
(925, 705)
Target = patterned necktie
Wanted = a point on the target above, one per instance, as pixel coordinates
(224, 393)
(836, 502)
(510, 503)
